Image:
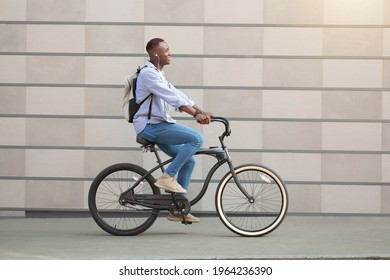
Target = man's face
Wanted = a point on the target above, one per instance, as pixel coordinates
(163, 53)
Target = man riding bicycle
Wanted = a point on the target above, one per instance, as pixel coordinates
(177, 141)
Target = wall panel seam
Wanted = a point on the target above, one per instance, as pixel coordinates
(202, 87)
(191, 24)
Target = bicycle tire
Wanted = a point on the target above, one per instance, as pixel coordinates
(105, 208)
(256, 218)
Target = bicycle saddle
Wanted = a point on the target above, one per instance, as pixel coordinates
(143, 141)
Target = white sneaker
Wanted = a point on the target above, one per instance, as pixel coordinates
(168, 183)
(189, 218)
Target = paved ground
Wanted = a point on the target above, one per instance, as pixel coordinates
(299, 237)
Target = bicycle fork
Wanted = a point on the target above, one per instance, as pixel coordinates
(250, 198)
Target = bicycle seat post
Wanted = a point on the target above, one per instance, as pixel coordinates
(147, 145)
(158, 159)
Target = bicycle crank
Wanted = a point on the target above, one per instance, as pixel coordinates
(179, 206)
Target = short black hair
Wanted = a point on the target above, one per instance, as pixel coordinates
(152, 44)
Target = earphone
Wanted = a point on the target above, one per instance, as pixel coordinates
(158, 60)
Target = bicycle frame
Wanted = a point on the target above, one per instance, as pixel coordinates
(221, 154)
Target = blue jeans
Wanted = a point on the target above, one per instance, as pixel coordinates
(179, 142)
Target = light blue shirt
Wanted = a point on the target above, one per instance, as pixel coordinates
(152, 80)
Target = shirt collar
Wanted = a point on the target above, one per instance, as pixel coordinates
(151, 65)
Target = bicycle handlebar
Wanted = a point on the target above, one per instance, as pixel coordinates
(225, 122)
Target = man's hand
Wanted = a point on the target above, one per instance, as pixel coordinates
(203, 118)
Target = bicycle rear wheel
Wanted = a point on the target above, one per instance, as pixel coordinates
(252, 218)
(114, 216)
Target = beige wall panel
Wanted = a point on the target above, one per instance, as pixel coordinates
(190, 11)
(386, 105)
(386, 74)
(55, 132)
(291, 135)
(304, 198)
(225, 103)
(351, 167)
(352, 73)
(244, 135)
(55, 101)
(12, 37)
(385, 198)
(386, 136)
(185, 71)
(245, 11)
(56, 69)
(292, 104)
(87, 185)
(294, 166)
(108, 133)
(13, 131)
(352, 105)
(233, 40)
(96, 160)
(292, 41)
(180, 39)
(386, 12)
(232, 72)
(55, 163)
(350, 199)
(292, 72)
(114, 39)
(56, 38)
(386, 40)
(60, 10)
(386, 9)
(293, 12)
(12, 162)
(118, 11)
(55, 194)
(353, 42)
(12, 100)
(386, 168)
(104, 101)
(12, 193)
(353, 12)
(13, 9)
(13, 69)
(352, 136)
(240, 158)
(110, 70)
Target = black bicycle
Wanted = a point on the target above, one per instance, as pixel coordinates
(251, 200)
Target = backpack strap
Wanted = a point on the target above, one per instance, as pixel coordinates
(151, 94)
(135, 80)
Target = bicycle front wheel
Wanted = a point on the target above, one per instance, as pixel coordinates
(257, 216)
(109, 212)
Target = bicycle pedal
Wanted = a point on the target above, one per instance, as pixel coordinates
(186, 223)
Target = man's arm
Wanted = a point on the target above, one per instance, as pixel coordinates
(201, 116)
